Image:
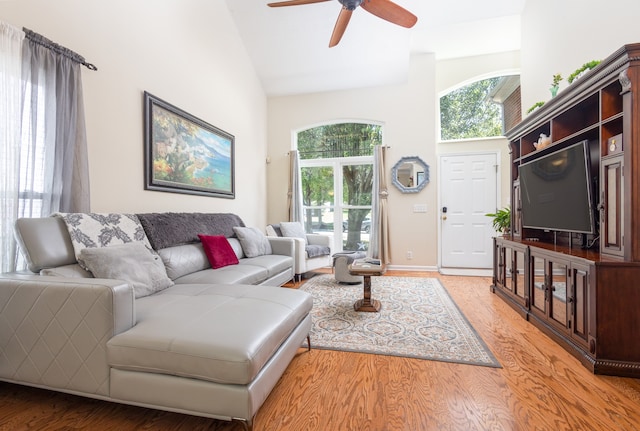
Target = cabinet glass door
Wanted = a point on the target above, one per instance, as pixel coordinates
(578, 295)
(519, 286)
(538, 284)
(558, 292)
(498, 264)
(516, 229)
(508, 269)
(611, 219)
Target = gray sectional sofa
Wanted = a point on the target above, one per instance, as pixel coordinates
(196, 340)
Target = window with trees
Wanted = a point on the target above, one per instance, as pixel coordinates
(469, 112)
(336, 167)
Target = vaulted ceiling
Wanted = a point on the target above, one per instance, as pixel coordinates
(290, 45)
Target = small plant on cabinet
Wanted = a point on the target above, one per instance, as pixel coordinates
(501, 220)
(555, 84)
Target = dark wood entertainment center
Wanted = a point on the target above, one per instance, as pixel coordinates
(583, 290)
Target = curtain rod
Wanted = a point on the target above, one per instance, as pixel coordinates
(43, 41)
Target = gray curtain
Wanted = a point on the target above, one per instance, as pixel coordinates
(54, 141)
(379, 242)
(11, 39)
(294, 195)
(43, 159)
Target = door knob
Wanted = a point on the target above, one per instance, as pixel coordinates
(444, 217)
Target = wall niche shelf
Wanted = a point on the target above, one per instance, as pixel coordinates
(581, 289)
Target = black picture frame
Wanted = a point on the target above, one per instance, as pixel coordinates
(184, 154)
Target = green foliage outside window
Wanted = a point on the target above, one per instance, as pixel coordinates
(469, 112)
(337, 141)
(317, 186)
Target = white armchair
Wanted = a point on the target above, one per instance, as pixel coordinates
(312, 251)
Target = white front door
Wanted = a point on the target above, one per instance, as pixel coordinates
(468, 191)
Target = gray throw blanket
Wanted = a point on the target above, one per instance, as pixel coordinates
(169, 229)
(317, 250)
(350, 256)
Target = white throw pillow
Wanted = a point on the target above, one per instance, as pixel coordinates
(253, 241)
(131, 262)
(293, 229)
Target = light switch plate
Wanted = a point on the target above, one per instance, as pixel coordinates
(420, 208)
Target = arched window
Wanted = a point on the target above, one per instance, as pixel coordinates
(477, 110)
(336, 167)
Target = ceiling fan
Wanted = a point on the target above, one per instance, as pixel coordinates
(384, 9)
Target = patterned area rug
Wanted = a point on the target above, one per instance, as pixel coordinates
(418, 319)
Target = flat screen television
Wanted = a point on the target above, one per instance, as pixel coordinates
(556, 191)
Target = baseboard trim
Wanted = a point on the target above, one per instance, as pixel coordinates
(412, 268)
(476, 272)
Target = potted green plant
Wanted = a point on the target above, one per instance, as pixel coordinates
(587, 66)
(535, 106)
(501, 220)
(555, 84)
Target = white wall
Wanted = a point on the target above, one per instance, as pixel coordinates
(186, 52)
(453, 73)
(409, 114)
(560, 36)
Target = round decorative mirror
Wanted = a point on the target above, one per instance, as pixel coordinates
(410, 174)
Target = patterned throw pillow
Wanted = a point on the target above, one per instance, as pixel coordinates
(218, 251)
(92, 230)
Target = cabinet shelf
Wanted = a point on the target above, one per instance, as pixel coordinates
(589, 133)
(526, 142)
(611, 100)
(613, 118)
(583, 115)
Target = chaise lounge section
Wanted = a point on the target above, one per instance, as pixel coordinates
(202, 346)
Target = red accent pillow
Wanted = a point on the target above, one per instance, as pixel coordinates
(218, 250)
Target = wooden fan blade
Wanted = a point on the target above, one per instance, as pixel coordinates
(390, 11)
(294, 2)
(341, 26)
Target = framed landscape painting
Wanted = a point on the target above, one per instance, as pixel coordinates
(184, 154)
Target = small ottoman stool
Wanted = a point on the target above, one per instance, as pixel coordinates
(341, 263)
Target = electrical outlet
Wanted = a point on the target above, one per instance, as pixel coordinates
(409, 255)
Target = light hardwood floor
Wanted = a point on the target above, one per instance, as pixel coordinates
(540, 387)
